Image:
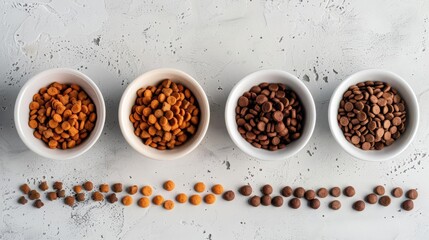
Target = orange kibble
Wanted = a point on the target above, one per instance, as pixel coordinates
(158, 200)
(65, 125)
(168, 205)
(77, 189)
(152, 119)
(53, 144)
(217, 189)
(195, 199)
(169, 185)
(52, 123)
(199, 187)
(146, 190)
(143, 202)
(127, 200)
(181, 198)
(57, 118)
(34, 105)
(210, 198)
(104, 188)
(33, 124)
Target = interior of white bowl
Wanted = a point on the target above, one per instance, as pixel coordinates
(25, 97)
(153, 78)
(406, 93)
(271, 76)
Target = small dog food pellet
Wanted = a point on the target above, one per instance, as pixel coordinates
(38, 203)
(335, 192)
(335, 205)
(266, 200)
(359, 205)
(277, 201)
(349, 191)
(255, 201)
(379, 190)
(217, 189)
(22, 200)
(384, 201)
(104, 188)
(228, 195)
(146, 190)
(412, 194)
(371, 198)
(112, 198)
(299, 192)
(199, 187)
(132, 189)
(267, 189)
(181, 198)
(286, 191)
(295, 203)
(88, 186)
(157, 200)
(195, 199)
(43, 186)
(169, 185)
(97, 196)
(245, 190)
(127, 200)
(397, 192)
(143, 202)
(322, 192)
(69, 200)
(314, 203)
(168, 205)
(117, 187)
(407, 205)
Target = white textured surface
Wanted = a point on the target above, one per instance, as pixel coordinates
(218, 43)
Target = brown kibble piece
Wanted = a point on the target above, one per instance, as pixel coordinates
(157, 200)
(266, 200)
(127, 200)
(299, 192)
(412, 194)
(58, 185)
(80, 197)
(335, 205)
(77, 189)
(51, 196)
(371, 198)
(397, 192)
(349, 191)
(267, 189)
(277, 201)
(245, 190)
(195, 199)
(228, 195)
(22, 200)
(88, 186)
(104, 188)
(217, 189)
(322, 192)
(255, 201)
(169, 185)
(295, 203)
(146, 190)
(38, 203)
(117, 187)
(199, 187)
(143, 202)
(210, 198)
(61, 193)
(407, 205)
(132, 189)
(181, 198)
(384, 201)
(379, 190)
(286, 191)
(33, 195)
(359, 205)
(335, 192)
(69, 200)
(24, 188)
(111, 198)
(97, 196)
(309, 194)
(314, 203)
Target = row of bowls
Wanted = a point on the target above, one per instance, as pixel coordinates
(64, 75)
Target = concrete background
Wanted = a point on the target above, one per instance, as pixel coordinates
(218, 42)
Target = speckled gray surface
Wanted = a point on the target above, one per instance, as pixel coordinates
(217, 42)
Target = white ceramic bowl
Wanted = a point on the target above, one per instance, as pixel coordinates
(25, 97)
(153, 78)
(412, 118)
(271, 76)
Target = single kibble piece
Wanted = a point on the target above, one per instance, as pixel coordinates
(104, 188)
(267, 189)
(286, 191)
(127, 200)
(112, 198)
(38, 203)
(255, 201)
(309, 194)
(146, 190)
(384, 201)
(117, 187)
(61, 193)
(397, 192)
(266, 200)
(51, 196)
(407, 205)
(77, 189)
(80, 197)
(379, 190)
(371, 198)
(58, 185)
(217, 189)
(24, 188)
(33, 195)
(277, 201)
(69, 200)
(88, 186)
(295, 203)
(314, 203)
(97, 196)
(157, 200)
(210, 198)
(299, 192)
(349, 191)
(335, 192)
(199, 187)
(228, 195)
(22, 200)
(322, 192)
(359, 205)
(335, 205)
(132, 189)
(169, 185)
(181, 198)
(245, 190)
(195, 199)
(143, 202)
(412, 194)
(43, 186)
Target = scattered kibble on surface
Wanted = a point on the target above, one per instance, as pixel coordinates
(299, 192)
(104, 188)
(286, 191)
(181, 198)
(88, 186)
(146, 190)
(245, 190)
(112, 198)
(157, 200)
(195, 199)
(217, 189)
(143, 202)
(379, 190)
(335, 205)
(199, 187)
(117, 187)
(127, 200)
(132, 189)
(371, 198)
(168, 204)
(228, 195)
(97, 196)
(359, 205)
(169, 185)
(255, 201)
(43, 186)
(69, 200)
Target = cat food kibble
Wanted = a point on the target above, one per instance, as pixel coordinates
(51, 196)
(117, 187)
(199, 187)
(266, 200)
(80, 197)
(379, 190)
(195, 199)
(286, 191)
(43, 186)
(359, 205)
(309, 194)
(22, 200)
(181, 198)
(69, 200)
(335, 205)
(33, 195)
(210, 198)
(349, 191)
(384, 201)
(88, 186)
(169, 185)
(295, 203)
(143, 202)
(372, 115)
(157, 200)
(61, 193)
(335, 191)
(397, 192)
(97, 196)
(77, 189)
(58, 185)
(255, 201)
(38, 203)
(62, 115)
(132, 189)
(245, 190)
(407, 205)
(371, 198)
(322, 192)
(267, 189)
(166, 115)
(270, 116)
(412, 194)
(217, 189)
(104, 188)
(127, 200)
(277, 201)
(299, 192)
(112, 198)
(314, 203)
(228, 195)
(146, 191)
(24, 188)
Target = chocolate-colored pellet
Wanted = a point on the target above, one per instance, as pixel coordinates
(371, 198)
(58, 185)
(97, 196)
(349, 191)
(88, 186)
(255, 201)
(335, 205)
(309, 194)
(61, 193)
(299, 192)
(51, 196)
(277, 201)
(22, 200)
(228, 195)
(322, 192)
(379, 190)
(111, 198)
(33, 195)
(245, 190)
(397, 192)
(314, 203)
(335, 192)
(69, 200)
(407, 205)
(117, 187)
(24, 188)
(266, 200)
(132, 189)
(286, 191)
(43, 186)
(243, 101)
(38, 203)
(359, 205)
(412, 194)
(80, 197)
(384, 201)
(267, 189)
(295, 203)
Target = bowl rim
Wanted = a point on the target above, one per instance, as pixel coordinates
(93, 138)
(140, 147)
(364, 155)
(280, 155)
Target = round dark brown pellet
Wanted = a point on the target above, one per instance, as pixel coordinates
(322, 192)
(88, 186)
(61, 193)
(299, 192)
(407, 205)
(412, 194)
(228, 195)
(277, 201)
(267, 189)
(286, 191)
(309, 194)
(266, 200)
(335, 205)
(38, 203)
(22, 200)
(58, 185)
(255, 201)
(397, 192)
(359, 205)
(349, 191)
(371, 198)
(245, 190)
(384, 201)
(314, 203)
(51, 196)
(111, 198)
(295, 203)
(69, 200)
(80, 197)
(335, 192)
(33, 195)
(43, 186)
(379, 190)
